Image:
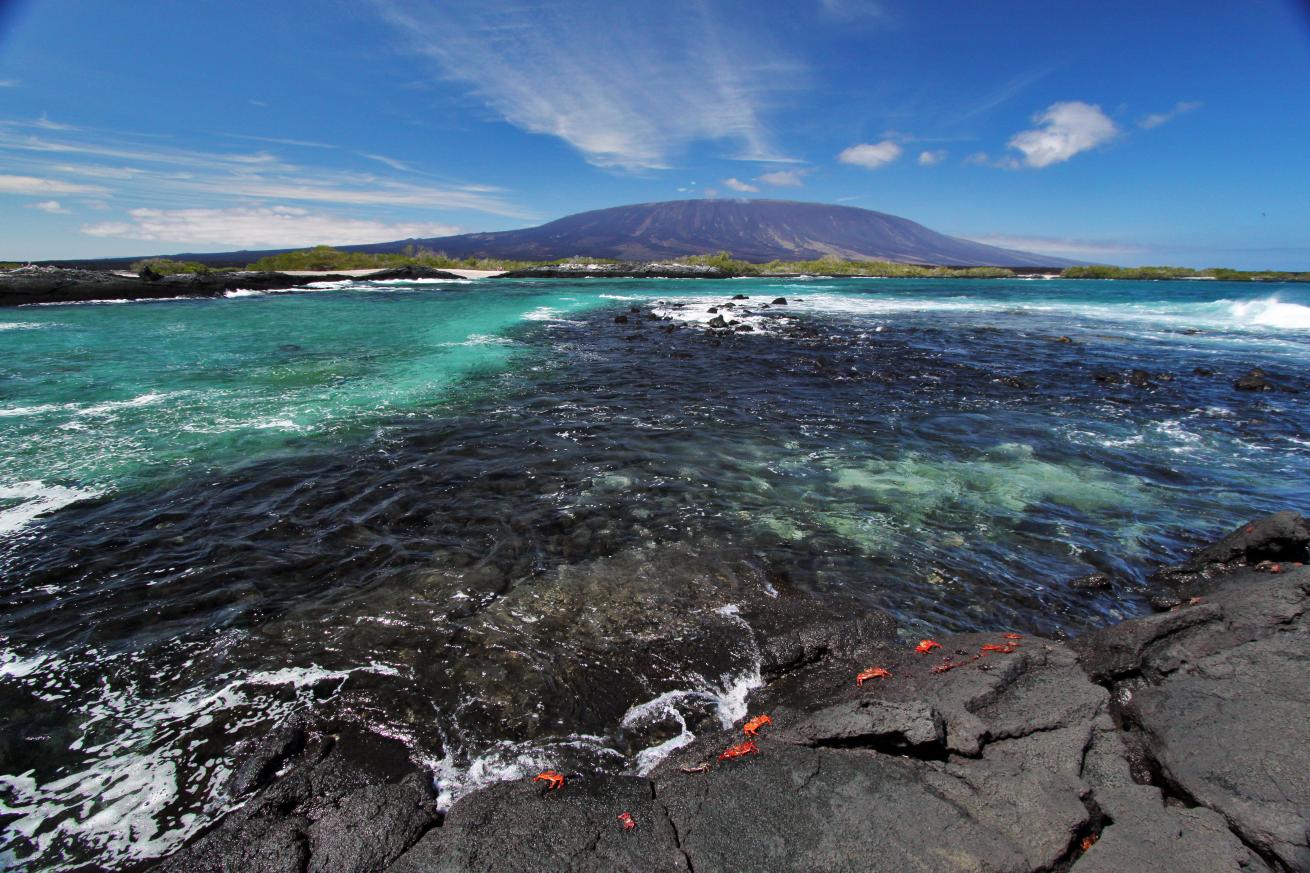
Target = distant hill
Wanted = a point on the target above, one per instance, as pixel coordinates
(753, 230)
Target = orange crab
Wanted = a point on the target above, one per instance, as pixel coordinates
(1007, 649)
(926, 646)
(872, 673)
(552, 779)
(625, 819)
(752, 727)
(1013, 636)
(740, 750)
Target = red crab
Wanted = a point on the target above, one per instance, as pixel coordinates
(739, 750)
(926, 646)
(752, 727)
(871, 673)
(552, 779)
(625, 819)
(1007, 649)
(1013, 636)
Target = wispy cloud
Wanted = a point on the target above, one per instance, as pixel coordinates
(1155, 119)
(149, 172)
(738, 185)
(932, 157)
(52, 206)
(783, 178)
(37, 186)
(852, 10)
(390, 162)
(1003, 94)
(1057, 245)
(871, 156)
(628, 85)
(1065, 129)
(249, 227)
(9, 83)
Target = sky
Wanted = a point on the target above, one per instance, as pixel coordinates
(1168, 132)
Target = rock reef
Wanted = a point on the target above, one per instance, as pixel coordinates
(622, 270)
(27, 285)
(1173, 742)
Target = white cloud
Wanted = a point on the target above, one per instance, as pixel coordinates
(783, 178)
(35, 185)
(628, 85)
(1066, 129)
(871, 155)
(977, 159)
(51, 206)
(738, 185)
(1048, 245)
(8, 83)
(253, 227)
(1156, 119)
(930, 158)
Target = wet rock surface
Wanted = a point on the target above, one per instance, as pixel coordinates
(349, 802)
(1174, 742)
(619, 270)
(57, 285)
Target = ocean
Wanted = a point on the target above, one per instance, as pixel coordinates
(517, 524)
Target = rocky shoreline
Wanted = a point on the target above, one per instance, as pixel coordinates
(1172, 742)
(28, 285)
(622, 270)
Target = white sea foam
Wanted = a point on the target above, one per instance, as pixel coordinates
(110, 406)
(13, 411)
(24, 325)
(1271, 312)
(35, 499)
(113, 803)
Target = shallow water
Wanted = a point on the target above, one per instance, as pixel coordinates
(449, 511)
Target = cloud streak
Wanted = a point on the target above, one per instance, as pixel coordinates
(153, 173)
(40, 186)
(250, 227)
(1064, 130)
(1155, 119)
(628, 85)
(1057, 245)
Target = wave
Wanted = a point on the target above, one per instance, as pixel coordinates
(24, 325)
(1271, 312)
(35, 499)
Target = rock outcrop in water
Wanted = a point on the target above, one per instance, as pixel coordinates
(1173, 742)
(59, 285)
(623, 270)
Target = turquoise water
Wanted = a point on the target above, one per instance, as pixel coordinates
(99, 398)
(446, 510)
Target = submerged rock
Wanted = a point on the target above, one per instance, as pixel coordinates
(1176, 742)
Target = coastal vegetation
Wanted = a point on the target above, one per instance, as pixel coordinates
(1102, 271)
(831, 266)
(326, 258)
(168, 267)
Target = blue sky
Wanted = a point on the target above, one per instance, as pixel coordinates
(1175, 131)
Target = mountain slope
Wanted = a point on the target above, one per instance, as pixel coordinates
(754, 230)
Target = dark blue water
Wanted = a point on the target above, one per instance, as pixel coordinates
(492, 520)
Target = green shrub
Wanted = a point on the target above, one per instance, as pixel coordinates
(166, 267)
